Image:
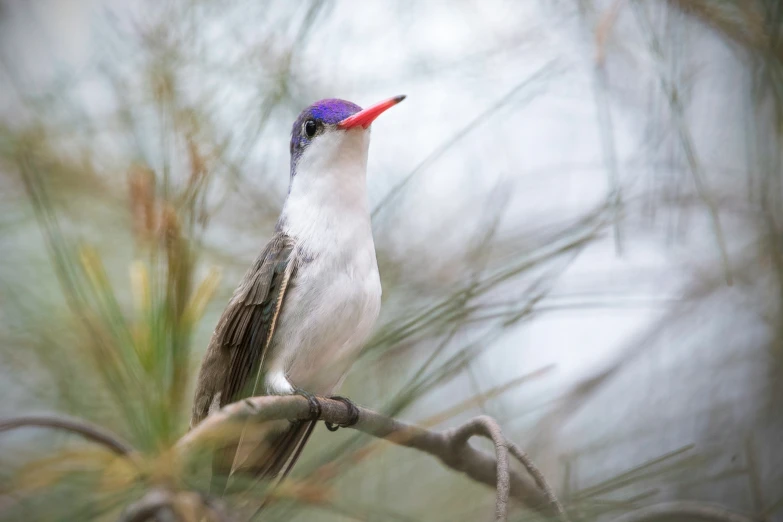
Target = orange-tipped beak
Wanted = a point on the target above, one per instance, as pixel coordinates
(366, 116)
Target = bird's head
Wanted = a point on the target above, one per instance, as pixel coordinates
(333, 136)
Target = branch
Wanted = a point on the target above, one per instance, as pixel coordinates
(449, 446)
(84, 428)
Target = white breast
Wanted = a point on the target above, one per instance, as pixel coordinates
(334, 300)
(327, 317)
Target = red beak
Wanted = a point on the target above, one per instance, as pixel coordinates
(366, 116)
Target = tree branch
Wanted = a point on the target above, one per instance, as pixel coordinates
(81, 427)
(450, 446)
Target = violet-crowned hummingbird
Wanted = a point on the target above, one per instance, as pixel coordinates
(304, 309)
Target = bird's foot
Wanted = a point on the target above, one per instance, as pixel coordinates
(312, 400)
(353, 414)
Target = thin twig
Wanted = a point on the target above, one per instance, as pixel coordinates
(541, 482)
(488, 427)
(81, 427)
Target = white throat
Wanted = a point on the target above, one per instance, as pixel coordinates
(327, 207)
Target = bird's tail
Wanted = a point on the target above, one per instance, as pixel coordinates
(269, 457)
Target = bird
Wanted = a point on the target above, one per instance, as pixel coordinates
(301, 314)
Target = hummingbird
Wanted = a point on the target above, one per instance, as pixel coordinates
(302, 312)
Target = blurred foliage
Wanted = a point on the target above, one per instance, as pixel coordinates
(141, 199)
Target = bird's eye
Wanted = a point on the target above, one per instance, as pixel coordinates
(310, 127)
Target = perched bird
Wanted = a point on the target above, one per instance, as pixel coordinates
(302, 312)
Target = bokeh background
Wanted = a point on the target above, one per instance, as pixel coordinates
(578, 213)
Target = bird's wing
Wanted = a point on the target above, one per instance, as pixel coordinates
(244, 331)
(249, 321)
(235, 355)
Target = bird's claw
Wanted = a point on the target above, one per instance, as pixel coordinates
(353, 414)
(312, 400)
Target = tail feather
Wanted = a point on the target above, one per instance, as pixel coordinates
(277, 455)
(299, 448)
(270, 459)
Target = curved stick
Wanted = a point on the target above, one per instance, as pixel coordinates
(541, 482)
(84, 428)
(487, 427)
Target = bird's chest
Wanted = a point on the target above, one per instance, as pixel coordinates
(329, 312)
(338, 293)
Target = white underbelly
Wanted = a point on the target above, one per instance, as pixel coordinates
(327, 316)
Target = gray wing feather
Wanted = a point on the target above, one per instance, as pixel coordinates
(237, 351)
(245, 329)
